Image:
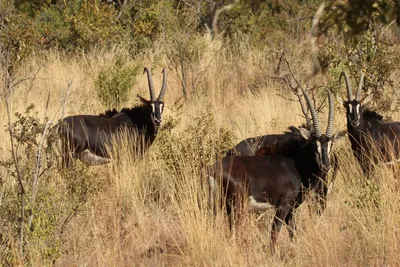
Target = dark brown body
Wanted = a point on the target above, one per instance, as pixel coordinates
(93, 134)
(271, 179)
(372, 139)
(279, 179)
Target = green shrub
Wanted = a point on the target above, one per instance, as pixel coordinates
(78, 25)
(363, 53)
(46, 204)
(114, 83)
(17, 39)
(357, 16)
(200, 144)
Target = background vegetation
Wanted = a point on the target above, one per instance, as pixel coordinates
(60, 58)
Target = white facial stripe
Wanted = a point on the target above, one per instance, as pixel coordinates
(153, 107)
(350, 109)
(329, 147)
(358, 110)
(161, 108)
(319, 149)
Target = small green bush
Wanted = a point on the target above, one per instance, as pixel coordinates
(42, 210)
(363, 53)
(80, 25)
(114, 83)
(200, 144)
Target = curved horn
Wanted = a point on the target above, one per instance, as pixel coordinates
(330, 116)
(360, 86)
(164, 85)
(150, 80)
(348, 86)
(313, 114)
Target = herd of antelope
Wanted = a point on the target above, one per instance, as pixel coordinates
(271, 170)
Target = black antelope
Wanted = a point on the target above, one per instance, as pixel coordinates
(372, 139)
(86, 137)
(279, 180)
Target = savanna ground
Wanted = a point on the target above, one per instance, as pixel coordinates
(146, 212)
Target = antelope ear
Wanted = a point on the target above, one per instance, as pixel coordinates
(145, 101)
(339, 135)
(305, 133)
(366, 99)
(293, 130)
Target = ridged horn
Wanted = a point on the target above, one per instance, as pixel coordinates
(348, 86)
(331, 115)
(313, 114)
(164, 85)
(360, 86)
(150, 81)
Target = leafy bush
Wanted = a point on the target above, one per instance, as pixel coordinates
(357, 16)
(363, 53)
(367, 198)
(33, 218)
(200, 144)
(17, 38)
(114, 83)
(78, 25)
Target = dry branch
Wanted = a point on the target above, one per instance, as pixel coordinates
(36, 175)
(69, 83)
(296, 88)
(8, 89)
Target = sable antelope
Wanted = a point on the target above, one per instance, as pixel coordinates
(86, 137)
(280, 145)
(371, 138)
(279, 180)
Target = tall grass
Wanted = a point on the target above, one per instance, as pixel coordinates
(146, 212)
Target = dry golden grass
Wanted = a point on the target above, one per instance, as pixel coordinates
(142, 213)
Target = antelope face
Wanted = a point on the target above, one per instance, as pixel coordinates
(157, 104)
(352, 104)
(352, 112)
(157, 108)
(322, 146)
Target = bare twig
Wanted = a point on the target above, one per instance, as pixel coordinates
(8, 88)
(121, 9)
(296, 89)
(31, 79)
(184, 88)
(387, 27)
(64, 101)
(46, 106)
(278, 67)
(36, 175)
(201, 73)
(26, 79)
(287, 98)
(69, 83)
(68, 219)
